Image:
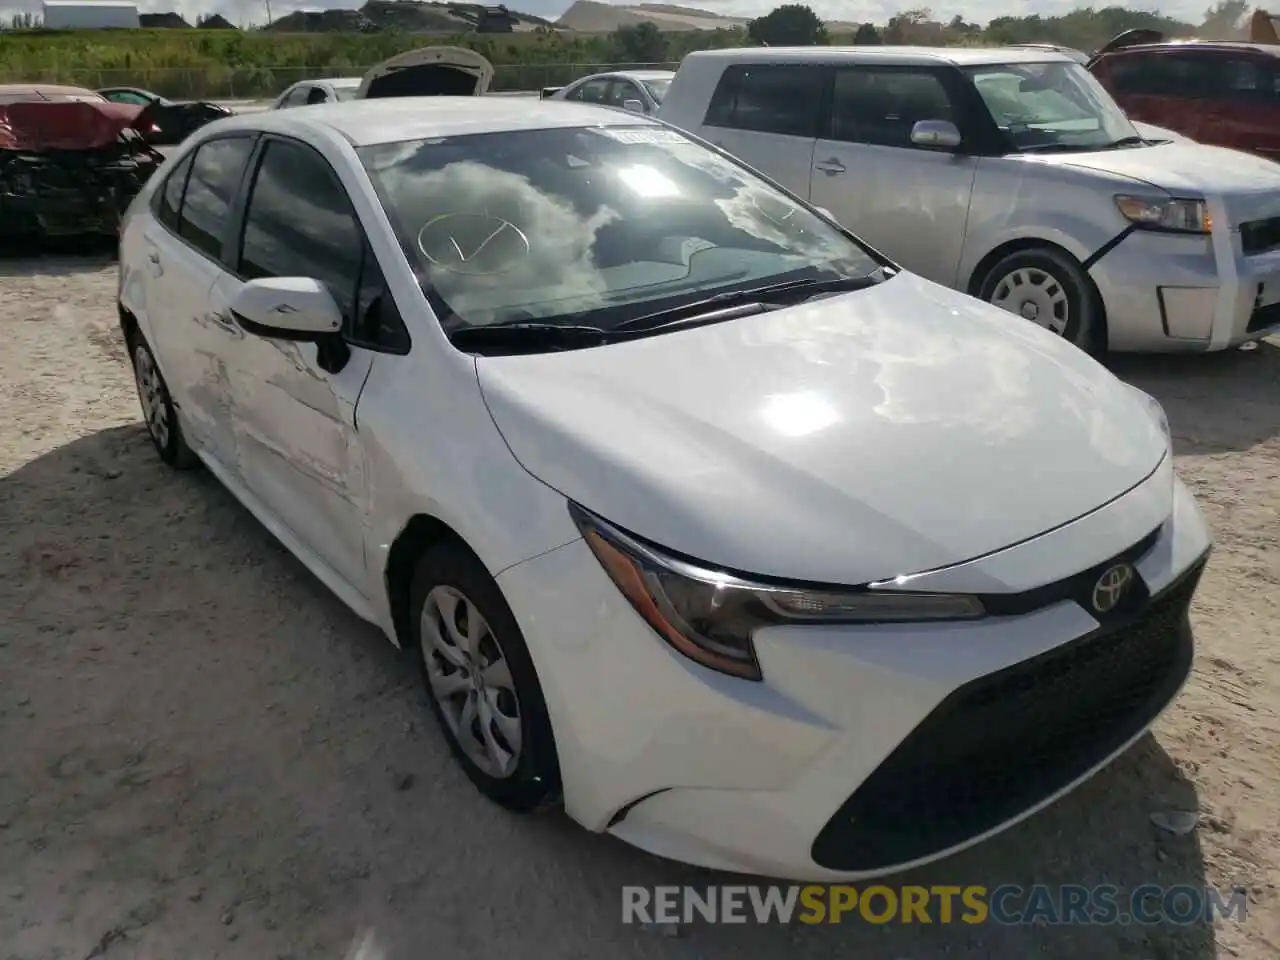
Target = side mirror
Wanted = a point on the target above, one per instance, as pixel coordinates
(940, 134)
(287, 308)
(635, 106)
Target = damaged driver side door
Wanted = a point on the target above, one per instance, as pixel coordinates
(296, 402)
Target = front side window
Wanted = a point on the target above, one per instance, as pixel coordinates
(215, 177)
(1251, 80)
(594, 91)
(780, 98)
(880, 106)
(344, 93)
(317, 95)
(594, 225)
(299, 223)
(1051, 106)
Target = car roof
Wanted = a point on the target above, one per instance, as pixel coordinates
(395, 119)
(51, 89)
(331, 81)
(1269, 50)
(644, 74)
(903, 56)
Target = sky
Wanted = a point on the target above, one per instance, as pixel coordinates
(878, 11)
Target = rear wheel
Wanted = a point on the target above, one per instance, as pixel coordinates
(480, 680)
(158, 411)
(1047, 287)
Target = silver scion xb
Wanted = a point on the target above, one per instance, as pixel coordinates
(1011, 175)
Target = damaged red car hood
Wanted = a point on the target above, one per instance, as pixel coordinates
(63, 125)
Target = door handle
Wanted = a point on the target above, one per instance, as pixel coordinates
(153, 263)
(831, 168)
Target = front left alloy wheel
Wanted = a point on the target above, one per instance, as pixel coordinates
(158, 411)
(480, 680)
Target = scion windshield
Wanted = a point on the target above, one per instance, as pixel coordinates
(1051, 105)
(592, 224)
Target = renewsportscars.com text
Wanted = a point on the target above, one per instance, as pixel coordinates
(1007, 904)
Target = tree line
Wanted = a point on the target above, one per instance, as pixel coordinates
(250, 63)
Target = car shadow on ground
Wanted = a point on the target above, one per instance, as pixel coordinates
(1245, 382)
(215, 757)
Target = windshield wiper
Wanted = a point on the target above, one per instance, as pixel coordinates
(736, 303)
(1134, 141)
(529, 334)
(1055, 148)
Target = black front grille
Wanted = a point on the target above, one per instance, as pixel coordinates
(1258, 236)
(1264, 317)
(1005, 742)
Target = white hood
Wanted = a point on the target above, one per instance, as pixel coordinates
(884, 432)
(1183, 168)
(429, 71)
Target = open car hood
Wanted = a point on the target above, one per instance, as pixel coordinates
(41, 125)
(429, 72)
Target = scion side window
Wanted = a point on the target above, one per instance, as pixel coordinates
(1164, 75)
(206, 206)
(880, 107)
(299, 223)
(768, 99)
(169, 196)
(1250, 80)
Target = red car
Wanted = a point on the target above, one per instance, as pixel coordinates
(1220, 93)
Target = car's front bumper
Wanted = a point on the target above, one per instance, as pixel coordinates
(865, 749)
(1165, 292)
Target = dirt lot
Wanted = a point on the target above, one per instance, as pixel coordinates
(205, 755)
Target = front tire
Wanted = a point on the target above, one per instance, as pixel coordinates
(480, 680)
(158, 411)
(1049, 288)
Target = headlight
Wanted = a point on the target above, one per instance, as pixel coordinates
(709, 615)
(1162, 213)
(1156, 411)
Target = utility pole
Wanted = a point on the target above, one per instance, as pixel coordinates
(268, 3)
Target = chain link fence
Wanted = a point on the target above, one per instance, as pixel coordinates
(260, 83)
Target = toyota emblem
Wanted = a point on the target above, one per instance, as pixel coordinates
(1112, 587)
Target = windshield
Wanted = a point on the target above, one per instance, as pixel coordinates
(657, 88)
(613, 222)
(1051, 105)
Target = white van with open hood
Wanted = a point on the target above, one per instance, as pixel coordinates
(429, 72)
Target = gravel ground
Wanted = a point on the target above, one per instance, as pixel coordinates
(206, 755)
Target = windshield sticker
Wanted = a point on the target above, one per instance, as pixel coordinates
(641, 135)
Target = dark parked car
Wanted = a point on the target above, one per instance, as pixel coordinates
(1221, 93)
(163, 121)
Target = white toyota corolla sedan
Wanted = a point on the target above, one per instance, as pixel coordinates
(702, 518)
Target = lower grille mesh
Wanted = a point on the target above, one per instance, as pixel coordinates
(1006, 741)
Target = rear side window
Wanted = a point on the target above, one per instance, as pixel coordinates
(216, 171)
(296, 97)
(768, 99)
(593, 91)
(169, 196)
